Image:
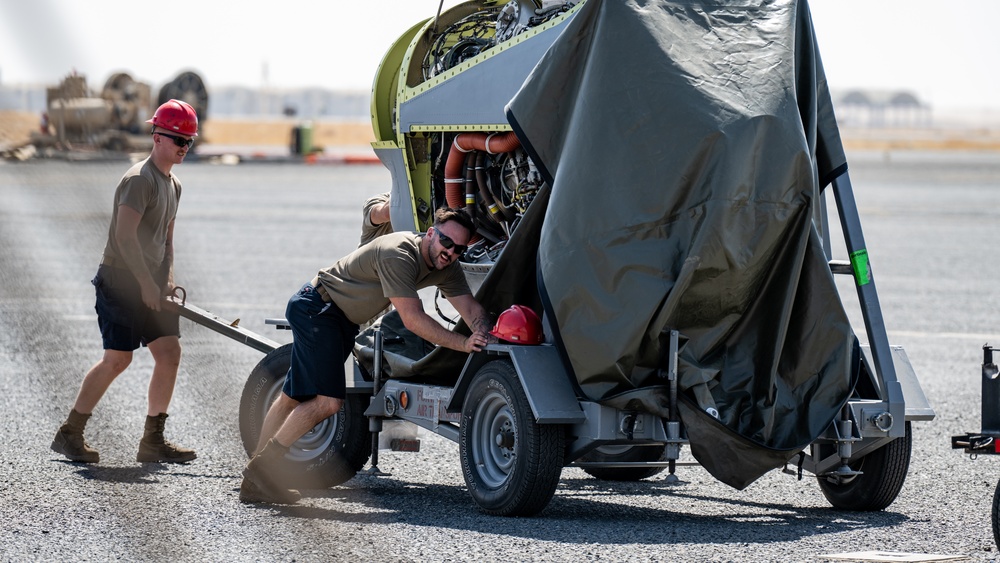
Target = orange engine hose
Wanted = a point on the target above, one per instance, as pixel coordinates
(454, 168)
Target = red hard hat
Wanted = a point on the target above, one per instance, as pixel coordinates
(175, 115)
(519, 325)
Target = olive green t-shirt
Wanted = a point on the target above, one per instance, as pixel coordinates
(369, 231)
(362, 282)
(154, 195)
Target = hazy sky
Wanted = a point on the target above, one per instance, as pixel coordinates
(945, 52)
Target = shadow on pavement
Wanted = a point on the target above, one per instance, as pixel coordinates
(572, 518)
(141, 473)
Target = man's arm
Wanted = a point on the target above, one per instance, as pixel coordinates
(420, 323)
(168, 257)
(127, 237)
(472, 312)
(379, 213)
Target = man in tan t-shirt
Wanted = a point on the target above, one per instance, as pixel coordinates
(375, 218)
(324, 317)
(135, 274)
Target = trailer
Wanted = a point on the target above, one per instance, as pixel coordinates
(987, 440)
(653, 184)
(518, 421)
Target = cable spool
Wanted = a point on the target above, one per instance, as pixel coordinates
(130, 102)
(188, 87)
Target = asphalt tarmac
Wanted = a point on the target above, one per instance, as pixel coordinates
(248, 236)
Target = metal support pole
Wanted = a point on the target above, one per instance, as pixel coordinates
(870, 309)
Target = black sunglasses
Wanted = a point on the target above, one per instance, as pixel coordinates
(449, 244)
(179, 141)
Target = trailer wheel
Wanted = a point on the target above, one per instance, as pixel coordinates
(511, 464)
(624, 454)
(884, 471)
(329, 454)
(996, 514)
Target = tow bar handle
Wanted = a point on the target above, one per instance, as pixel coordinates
(177, 300)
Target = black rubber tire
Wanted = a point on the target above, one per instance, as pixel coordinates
(875, 489)
(189, 87)
(996, 515)
(329, 454)
(622, 454)
(518, 475)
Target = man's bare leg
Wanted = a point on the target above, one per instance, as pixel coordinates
(166, 352)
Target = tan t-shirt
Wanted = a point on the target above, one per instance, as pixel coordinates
(369, 231)
(154, 195)
(362, 282)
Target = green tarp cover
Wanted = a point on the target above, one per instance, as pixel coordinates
(686, 145)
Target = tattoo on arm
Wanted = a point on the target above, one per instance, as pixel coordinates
(481, 324)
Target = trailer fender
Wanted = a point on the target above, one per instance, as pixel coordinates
(543, 377)
(917, 406)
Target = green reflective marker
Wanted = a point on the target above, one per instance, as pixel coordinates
(861, 267)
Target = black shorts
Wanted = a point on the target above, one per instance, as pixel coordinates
(322, 340)
(125, 321)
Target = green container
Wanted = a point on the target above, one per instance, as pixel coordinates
(302, 139)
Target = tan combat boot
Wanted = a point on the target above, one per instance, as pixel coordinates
(69, 439)
(153, 448)
(259, 484)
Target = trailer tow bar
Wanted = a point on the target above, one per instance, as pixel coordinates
(178, 301)
(375, 421)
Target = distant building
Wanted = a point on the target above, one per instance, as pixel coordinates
(880, 108)
(23, 98)
(854, 108)
(302, 103)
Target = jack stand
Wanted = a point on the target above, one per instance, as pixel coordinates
(845, 435)
(375, 421)
(673, 425)
(673, 452)
(671, 478)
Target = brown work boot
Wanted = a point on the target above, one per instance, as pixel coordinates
(153, 448)
(259, 484)
(69, 439)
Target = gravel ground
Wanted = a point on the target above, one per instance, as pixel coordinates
(248, 236)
